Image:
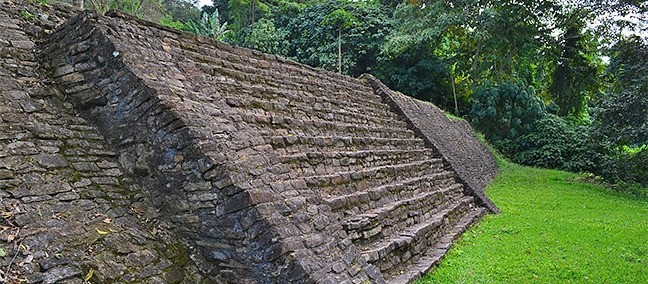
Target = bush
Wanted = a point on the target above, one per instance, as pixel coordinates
(628, 167)
(168, 21)
(557, 143)
(505, 111)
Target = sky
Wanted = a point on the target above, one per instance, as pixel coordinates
(204, 2)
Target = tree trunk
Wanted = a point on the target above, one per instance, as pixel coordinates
(454, 92)
(473, 68)
(78, 4)
(510, 122)
(475, 63)
(340, 50)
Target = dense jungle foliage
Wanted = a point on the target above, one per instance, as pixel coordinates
(552, 83)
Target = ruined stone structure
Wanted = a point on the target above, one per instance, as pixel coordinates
(133, 153)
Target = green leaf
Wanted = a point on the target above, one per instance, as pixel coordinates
(88, 275)
(3, 252)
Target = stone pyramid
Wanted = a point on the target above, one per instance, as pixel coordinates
(147, 155)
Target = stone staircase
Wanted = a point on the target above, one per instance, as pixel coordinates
(396, 199)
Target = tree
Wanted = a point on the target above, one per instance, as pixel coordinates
(265, 37)
(317, 45)
(575, 78)
(621, 116)
(609, 19)
(209, 25)
(419, 73)
(340, 19)
(480, 41)
(242, 14)
(182, 10)
(505, 111)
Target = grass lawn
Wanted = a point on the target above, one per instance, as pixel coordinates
(552, 229)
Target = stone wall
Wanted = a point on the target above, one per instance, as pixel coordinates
(67, 206)
(455, 140)
(216, 164)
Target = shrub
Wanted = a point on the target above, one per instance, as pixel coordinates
(628, 167)
(168, 21)
(505, 111)
(559, 144)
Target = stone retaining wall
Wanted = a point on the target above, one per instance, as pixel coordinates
(67, 206)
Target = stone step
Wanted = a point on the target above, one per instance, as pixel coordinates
(400, 249)
(322, 163)
(349, 100)
(310, 84)
(218, 62)
(312, 93)
(317, 110)
(397, 216)
(424, 264)
(237, 92)
(291, 144)
(13, 132)
(271, 126)
(363, 201)
(344, 183)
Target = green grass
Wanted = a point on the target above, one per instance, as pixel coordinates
(453, 117)
(26, 15)
(552, 229)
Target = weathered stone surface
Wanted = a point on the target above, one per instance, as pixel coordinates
(24, 44)
(49, 263)
(57, 274)
(455, 140)
(55, 210)
(51, 160)
(171, 158)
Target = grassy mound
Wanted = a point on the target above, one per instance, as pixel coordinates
(553, 229)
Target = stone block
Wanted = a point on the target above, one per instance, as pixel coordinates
(57, 274)
(51, 160)
(63, 70)
(23, 44)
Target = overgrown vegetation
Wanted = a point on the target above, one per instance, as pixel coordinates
(559, 144)
(26, 15)
(611, 143)
(209, 26)
(554, 228)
